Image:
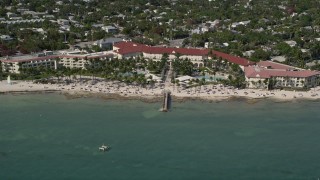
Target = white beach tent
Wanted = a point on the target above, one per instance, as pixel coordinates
(184, 78)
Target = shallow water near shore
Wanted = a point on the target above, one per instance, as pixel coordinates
(48, 136)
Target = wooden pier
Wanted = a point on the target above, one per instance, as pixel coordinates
(166, 101)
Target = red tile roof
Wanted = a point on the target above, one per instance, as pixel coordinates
(128, 47)
(169, 50)
(258, 72)
(131, 47)
(233, 59)
(274, 65)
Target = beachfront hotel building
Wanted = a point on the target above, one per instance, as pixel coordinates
(258, 75)
(78, 59)
(49, 59)
(279, 75)
(128, 49)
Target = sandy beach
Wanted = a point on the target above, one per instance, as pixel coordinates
(121, 90)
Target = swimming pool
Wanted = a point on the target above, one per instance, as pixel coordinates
(214, 78)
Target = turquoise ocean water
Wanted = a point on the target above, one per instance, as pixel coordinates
(50, 137)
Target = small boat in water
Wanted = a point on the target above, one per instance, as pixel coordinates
(104, 148)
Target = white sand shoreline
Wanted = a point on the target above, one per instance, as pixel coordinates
(207, 92)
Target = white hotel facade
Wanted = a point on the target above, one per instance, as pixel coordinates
(264, 72)
(48, 59)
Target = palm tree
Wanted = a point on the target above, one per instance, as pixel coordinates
(271, 83)
(67, 72)
(58, 74)
(1, 73)
(203, 81)
(287, 80)
(79, 71)
(178, 55)
(214, 74)
(259, 82)
(90, 68)
(218, 63)
(254, 83)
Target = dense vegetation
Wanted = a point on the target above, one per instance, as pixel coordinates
(272, 22)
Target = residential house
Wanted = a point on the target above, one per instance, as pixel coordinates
(278, 58)
(63, 22)
(291, 43)
(236, 24)
(6, 38)
(107, 43)
(22, 10)
(248, 53)
(11, 15)
(110, 29)
(48, 16)
(97, 25)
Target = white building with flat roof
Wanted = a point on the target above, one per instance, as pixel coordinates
(49, 59)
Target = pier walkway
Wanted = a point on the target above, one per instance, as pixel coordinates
(166, 101)
(167, 93)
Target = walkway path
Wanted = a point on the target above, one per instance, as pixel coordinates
(167, 82)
